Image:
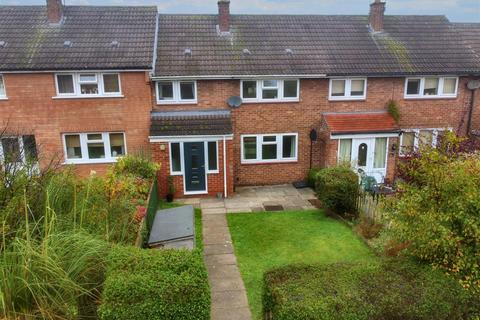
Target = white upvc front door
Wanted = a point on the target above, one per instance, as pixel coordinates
(364, 154)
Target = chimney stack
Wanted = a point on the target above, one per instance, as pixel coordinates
(54, 11)
(377, 12)
(224, 16)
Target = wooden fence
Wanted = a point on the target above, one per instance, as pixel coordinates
(369, 206)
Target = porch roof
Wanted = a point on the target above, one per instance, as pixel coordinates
(191, 123)
(360, 123)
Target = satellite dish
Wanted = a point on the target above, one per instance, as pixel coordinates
(234, 102)
(473, 84)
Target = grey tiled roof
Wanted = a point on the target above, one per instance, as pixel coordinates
(186, 123)
(33, 44)
(331, 45)
(470, 33)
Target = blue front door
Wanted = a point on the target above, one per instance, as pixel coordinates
(194, 154)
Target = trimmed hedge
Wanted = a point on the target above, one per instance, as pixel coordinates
(337, 188)
(312, 176)
(387, 290)
(155, 284)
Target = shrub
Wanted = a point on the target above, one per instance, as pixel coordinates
(393, 110)
(388, 290)
(155, 284)
(312, 176)
(437, 212)
(337, 188)
(138, 165)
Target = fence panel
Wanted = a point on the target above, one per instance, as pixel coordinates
(369, 206)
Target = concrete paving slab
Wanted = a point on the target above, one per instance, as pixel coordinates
(211, 249)
(209, 205)
(221, 271)
(226, 284)
(229, 299)
(231, 314)
(217, 238)
(239, 210)
(221, 259)
(210, 211)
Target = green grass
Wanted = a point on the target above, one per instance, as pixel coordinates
(268, 240)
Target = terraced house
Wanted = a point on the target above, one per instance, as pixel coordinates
(227, 100)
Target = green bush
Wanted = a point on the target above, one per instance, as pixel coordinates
(337, 188)
(155, 284)
(387, 290)
(312, 176)
(139, 165)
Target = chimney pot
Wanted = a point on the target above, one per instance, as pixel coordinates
(54, 11)
(224, 16)
(377, 12)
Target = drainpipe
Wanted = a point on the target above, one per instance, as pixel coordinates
(225, 167)
(470, 112)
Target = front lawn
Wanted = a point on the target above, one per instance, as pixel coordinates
(264, 241)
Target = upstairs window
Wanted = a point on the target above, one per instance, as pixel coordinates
(270, 90)
(3, 93)
(88, 84)
(94, 147)
(431, 87)
(171, 92)
(269, 148)
(348, 89)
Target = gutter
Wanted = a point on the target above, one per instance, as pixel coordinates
(155, 46)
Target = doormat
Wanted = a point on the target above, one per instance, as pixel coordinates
(274, 208)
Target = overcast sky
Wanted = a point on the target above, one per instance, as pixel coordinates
(455, 10)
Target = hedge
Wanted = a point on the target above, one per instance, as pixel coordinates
(386, 290)
(337, 188)
(312, 176)
(155, 284)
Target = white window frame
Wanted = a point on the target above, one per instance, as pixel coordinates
(76, 86)
(440, 95)
(416, 141)
(280, 87)
(177, 93)
(260, 143)
(182, 159)
(84, 147)
(348, 90)
(2, 80)
(20, 146)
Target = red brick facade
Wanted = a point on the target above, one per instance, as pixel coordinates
(31, 109)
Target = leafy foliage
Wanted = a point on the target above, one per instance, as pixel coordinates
(388, 290)
(337, 188)
(436, 214)
(312, 176)
(155, 284)
(393, 110)
(139, 165)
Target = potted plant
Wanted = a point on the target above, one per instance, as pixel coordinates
(170, 189)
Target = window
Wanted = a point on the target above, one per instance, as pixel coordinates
(175, 159)
(176, 92)
(88, 84)
(345, 151)
(412, 139)
(18, 149)
(380, 157)
(269, 90)
(94, 147)
(212, 156)
(269, 148)
(348, 89)
(3, 93)
(431, 87)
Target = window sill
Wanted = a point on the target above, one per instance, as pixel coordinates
(213, 172)
(332, 99)
(3, 98)
(269, 162)
(162, 103)
(431, 98)
(89, 97)
(99, 161)
(270, 101)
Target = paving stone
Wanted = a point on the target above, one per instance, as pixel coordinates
(210, 249)
(220, 259)
(217, 238)
(215, 229)
(215, 223)
(293, 208)
(226, 284)
(214, 217)
(221, 271)
(231, 314)
(229, 299)
(258, 209)
(209, 205)
(239, 210)
(212, 211)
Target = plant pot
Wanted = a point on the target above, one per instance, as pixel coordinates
(169, 198)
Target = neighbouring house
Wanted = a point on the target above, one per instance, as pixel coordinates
(230, 100)
(74, 82)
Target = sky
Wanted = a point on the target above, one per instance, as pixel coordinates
(455, 10)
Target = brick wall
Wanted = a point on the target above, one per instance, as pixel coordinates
(30, 109)
(301, 117)
(215, 180)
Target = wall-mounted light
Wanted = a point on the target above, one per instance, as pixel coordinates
(394, 147)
